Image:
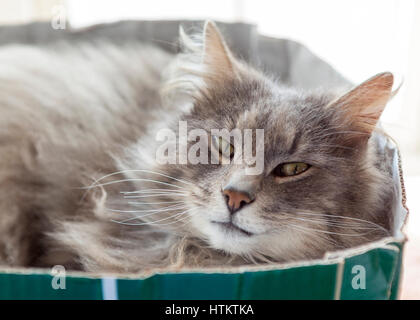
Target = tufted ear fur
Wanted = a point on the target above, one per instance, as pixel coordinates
(363, 105)
(205, 62)
(217, 58)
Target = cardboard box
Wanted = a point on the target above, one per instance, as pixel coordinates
(372, 271)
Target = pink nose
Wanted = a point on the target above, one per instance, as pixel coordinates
(235, 200)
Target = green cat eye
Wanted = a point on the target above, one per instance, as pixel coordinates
(225, 148)
(290, 169)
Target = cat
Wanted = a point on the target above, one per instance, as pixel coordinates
(80, 185)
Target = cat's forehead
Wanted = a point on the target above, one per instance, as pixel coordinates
(280, 112)
(290, 120)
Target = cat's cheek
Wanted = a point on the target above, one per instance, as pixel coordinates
(201, 225)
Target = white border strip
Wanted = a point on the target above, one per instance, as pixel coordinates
(339, 280)
(109, 289)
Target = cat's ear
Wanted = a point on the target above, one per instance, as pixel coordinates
(205, 62)
(363, 105)
(217, 58)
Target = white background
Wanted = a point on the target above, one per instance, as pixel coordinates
(358, 37)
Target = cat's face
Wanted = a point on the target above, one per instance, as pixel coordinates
(315, 180)
(314, 174)
(265, 213)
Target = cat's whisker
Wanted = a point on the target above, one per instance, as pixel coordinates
(170, 177)
(156, 221)
(325, 219)
(152, 191)
(95, 182)
(324, 237)
(164, 209)
(327, 232)
(153, 213)
(134, 179)
(143, 171)
(130, 196)
(328, 216)
(153, 203)
(157, 195)
(179, 220)
(334, 224)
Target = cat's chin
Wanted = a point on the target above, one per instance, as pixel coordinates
(229, 238)
(223, 236)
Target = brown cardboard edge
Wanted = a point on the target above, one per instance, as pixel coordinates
(407, 214)
(329, 258)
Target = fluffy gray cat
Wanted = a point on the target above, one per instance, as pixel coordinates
(80, 185)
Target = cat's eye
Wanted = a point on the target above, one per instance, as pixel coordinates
(225, 148)
(290, 169)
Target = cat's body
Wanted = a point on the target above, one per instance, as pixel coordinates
(70, 115)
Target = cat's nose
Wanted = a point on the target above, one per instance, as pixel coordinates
(236, 200)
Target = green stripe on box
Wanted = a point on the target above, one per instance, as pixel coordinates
(310, 282)
(181, 286)
(38, 286)
(398, 272)
(381, 265)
